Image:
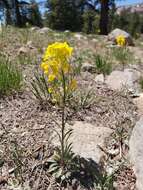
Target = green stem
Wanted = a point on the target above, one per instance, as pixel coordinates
(63, 119)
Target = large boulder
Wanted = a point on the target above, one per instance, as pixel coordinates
(35, 28)
(136, 152)
(117, 32)
(86, 139)
(128, 79)
(44, 30)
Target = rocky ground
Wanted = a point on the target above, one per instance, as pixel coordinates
(102, 124)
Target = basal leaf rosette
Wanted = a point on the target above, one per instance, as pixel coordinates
(58, 69)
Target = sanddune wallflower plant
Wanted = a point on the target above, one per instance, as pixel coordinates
(122, 51)
(60, 77)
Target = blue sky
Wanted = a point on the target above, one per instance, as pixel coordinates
(119, 2)
(128, 2)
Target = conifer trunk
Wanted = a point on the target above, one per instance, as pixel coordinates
(104, 16)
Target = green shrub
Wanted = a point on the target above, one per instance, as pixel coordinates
(10, 77)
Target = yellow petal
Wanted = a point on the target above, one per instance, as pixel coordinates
(51, 77)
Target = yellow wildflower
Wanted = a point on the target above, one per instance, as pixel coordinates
(46, 72)
(120, 40)
(51, 78)
(43, 65)
(56, 65)
(56, 58)
(73, 84)
(58, 50)
(50, 90)
(66, 67)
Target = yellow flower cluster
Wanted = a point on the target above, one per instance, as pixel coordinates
(120, 40)
(58, 69)
(55, 60)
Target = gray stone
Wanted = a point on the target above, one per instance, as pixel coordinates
(23, 50)
(35, 28)
(30, 45)
(117, 32)
(44, 30)
(95, 40)
(88, 67)
(67, 31)
(78, 36)
(114, 152)
(86, 138)
(128, 79)
(99, 78)
(136, 152)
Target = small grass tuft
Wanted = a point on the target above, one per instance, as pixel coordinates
(10, 77)
(102, 65)
(122, 55)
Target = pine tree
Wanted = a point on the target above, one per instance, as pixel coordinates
(34, 14)
(64, 14)
(104, 16)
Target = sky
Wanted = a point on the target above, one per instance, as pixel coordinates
(120, 2)
(128, 2)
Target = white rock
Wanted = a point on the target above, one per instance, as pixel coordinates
(67, 31)
(23, 50)
(86, 138)
(78, 36)
(44, 30)
(95, 40)
(30, 45)
(128, 78)
(136, 152)
(117, 32)
(35, 28)
(99, 78)
(114, 152)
